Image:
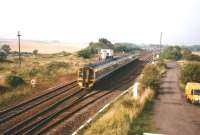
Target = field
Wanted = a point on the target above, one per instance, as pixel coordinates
(46, 47)
(47, 69)
(197, 53)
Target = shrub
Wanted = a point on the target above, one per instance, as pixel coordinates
(3, 55)
(33, 72)
(14, 81)
(86, 53)
(35, 52)
(151, 77)
(190, 72)
(172, 52)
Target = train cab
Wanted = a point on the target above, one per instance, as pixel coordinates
(86, 77)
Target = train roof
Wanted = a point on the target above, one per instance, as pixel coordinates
(100, 63)
(103, 64)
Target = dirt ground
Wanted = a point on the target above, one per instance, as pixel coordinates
(171, 113)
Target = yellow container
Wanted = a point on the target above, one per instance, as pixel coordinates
(192, 92)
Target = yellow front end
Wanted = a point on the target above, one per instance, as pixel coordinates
(86, 77)
(192, 92)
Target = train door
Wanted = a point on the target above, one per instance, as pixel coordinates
(88, 77)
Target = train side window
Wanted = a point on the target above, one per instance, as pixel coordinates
(91, 74)
(81, 73)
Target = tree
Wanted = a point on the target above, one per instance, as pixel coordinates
(105, 41)
(35, 52)
(6, 48)
(3, 54)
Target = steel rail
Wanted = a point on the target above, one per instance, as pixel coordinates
(20, 108)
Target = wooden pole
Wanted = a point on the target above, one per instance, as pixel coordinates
(160, 40)
(19, 47)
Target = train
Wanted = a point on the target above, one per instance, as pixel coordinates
(89, 74)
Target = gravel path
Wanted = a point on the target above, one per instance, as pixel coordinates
(172, 114)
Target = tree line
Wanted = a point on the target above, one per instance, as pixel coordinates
(104, 43)
(5, 50)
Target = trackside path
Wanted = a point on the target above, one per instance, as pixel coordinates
(171, 113)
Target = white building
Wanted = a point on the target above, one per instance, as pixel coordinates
(105, 54)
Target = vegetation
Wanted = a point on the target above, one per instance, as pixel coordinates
(126, 115)
(86, 53)
(6, 48)
(125, 47)
(14, 80)
(93, 48)
(3, 55)
(35, 52)
(143, 123)
(190, 72)
(47, 69)
(117, 119)
(177, 53)
(103, 43)
(172, 53)
(151, 75)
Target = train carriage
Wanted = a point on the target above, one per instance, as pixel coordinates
(89, 74)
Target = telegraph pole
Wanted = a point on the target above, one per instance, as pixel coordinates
(160, 40)
(19, 47)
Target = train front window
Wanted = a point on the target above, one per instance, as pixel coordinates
(196, 92)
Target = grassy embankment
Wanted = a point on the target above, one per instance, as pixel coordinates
(128, 115)
(47, 69)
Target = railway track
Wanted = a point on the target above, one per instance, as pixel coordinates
(41, 122)
(34, 128)
(20, 108)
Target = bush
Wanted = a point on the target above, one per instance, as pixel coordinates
(35, 52)
(151, 77)
(33, 72)
(14, 81)
(190, 72)
(3, 55)
(86, 53)
(172, 52)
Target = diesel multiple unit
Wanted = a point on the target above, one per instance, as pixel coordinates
(89, 74)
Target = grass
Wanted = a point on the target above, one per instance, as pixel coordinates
(143, 123)
(127, 116)
(118, 118)
(22, 92)
(47, 69)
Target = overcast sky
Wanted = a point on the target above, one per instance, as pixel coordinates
(138, 21)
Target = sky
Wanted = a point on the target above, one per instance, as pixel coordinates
(137, 21)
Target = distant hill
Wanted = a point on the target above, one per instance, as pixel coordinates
(43, 46)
